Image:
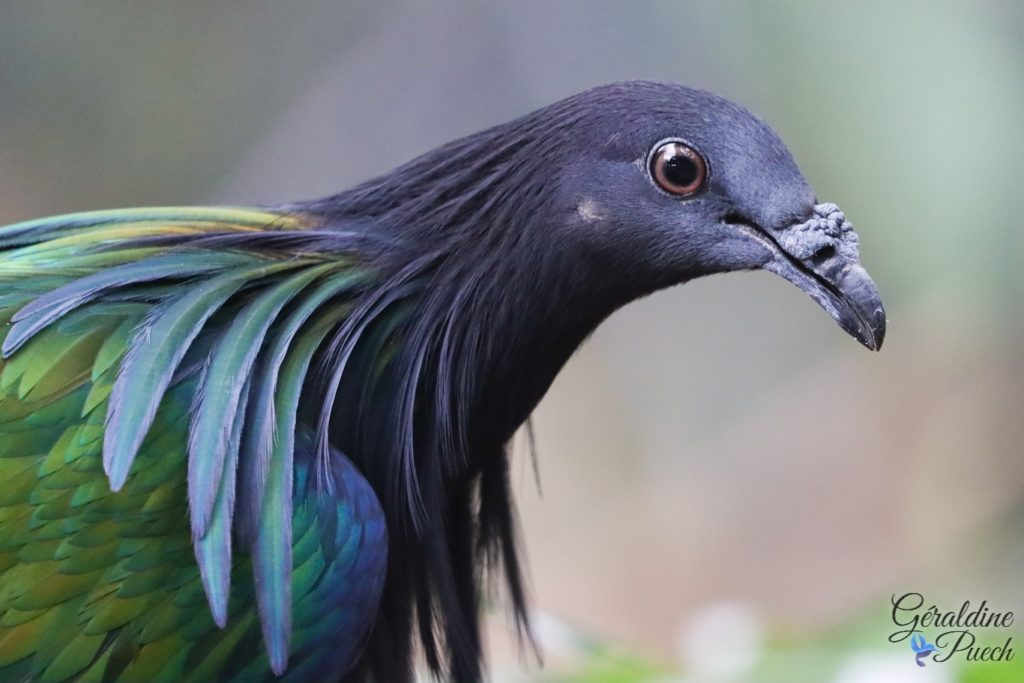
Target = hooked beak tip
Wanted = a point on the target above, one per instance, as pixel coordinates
(857, 307)
(879, 329)
(870, 333)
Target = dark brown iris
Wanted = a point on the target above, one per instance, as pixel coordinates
(678, 169)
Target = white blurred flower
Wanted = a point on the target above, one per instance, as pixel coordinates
(721, 642)
(891, 668)
(558, 637)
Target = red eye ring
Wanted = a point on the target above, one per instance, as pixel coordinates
(678, 168)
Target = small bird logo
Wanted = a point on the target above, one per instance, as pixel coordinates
(920, 645)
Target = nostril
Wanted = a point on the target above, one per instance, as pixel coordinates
(823, 254)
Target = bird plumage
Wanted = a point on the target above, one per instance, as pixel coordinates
(149, 353)
(269, 405)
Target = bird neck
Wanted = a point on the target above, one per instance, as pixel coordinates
(475, 310)
(543, 316)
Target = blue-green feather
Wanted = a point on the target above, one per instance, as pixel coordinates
(213, 549)
(272, 547)
(51, 306)
(137, 303)
(154, 354)
(216, 408)
(260, 424)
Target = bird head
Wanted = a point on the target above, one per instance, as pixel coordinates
(665, 183)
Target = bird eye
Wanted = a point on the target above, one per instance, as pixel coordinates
(678, 169)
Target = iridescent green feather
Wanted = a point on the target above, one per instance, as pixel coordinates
(102, 330)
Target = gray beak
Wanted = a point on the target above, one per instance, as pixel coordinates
(820, 256)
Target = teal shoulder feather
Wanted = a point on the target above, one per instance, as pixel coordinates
(149, 393)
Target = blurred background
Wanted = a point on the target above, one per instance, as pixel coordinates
(732, 487)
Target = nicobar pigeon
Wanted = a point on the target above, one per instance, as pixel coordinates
(247, 444)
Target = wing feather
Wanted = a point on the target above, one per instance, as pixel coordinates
(111, 317)
(54, 227)
(50, 307)
(272, 548)
(220, 393)
(213, 549)
(260, 425)
(154, 354)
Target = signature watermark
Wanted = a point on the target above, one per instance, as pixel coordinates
(937, 635)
